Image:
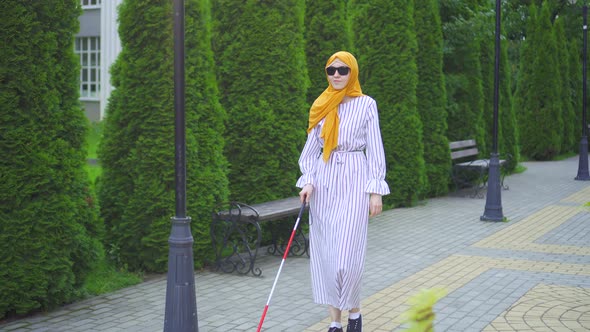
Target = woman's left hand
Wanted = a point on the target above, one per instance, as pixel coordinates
(375, 205)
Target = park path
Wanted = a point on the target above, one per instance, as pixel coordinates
(529, 274)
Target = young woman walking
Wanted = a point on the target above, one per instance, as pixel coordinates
(343, 179)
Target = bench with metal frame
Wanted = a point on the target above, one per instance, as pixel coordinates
(236, 233)
(469, 170)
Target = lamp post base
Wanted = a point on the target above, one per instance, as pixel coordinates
(181, 306)
(583, 163)
(493, 209)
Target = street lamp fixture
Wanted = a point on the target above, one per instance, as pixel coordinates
(181, 306)
(493, 209)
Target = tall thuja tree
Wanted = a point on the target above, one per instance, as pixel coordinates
(462, 68)
(575, 88)
(538, 112)
(508, 136)
(567, 110)
(508, 145)
(487, 37)
(326, 32)
(524, 94)
(207, 182)
(389, 73)
(48, 224)
(263, 82)
(431, 95)
(137, 190)
(573, 21)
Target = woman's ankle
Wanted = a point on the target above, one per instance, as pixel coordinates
(354, 314)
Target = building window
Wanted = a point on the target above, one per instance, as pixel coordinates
(87, 4)
(88, 48)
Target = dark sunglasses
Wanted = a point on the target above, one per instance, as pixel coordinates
(341, 70)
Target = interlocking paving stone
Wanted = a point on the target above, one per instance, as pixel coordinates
(487, 267)
(574, 231)
(548, 307)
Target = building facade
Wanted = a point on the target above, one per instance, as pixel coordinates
(98, 45)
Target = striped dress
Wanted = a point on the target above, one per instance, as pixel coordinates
(339, 205)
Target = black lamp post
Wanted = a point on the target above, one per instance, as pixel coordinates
(181, 303)
(583, 161)
(493, 209)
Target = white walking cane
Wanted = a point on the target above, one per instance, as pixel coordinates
(281, 267)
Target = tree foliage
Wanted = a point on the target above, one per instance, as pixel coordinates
(565, 94)
(263, 82)
(48, 221)
(137, 191)
(431, 95)
(538, 104)
(385, 41)
(326, 32)
(463, 74)
(575, 89)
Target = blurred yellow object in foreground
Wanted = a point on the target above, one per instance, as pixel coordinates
(420, 315)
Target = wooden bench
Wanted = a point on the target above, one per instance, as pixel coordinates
(236, 233)
(468, 170)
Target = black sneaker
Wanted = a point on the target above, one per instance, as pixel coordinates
(335, 329)
(355, 325)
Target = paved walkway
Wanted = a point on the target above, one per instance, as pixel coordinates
(529, 274)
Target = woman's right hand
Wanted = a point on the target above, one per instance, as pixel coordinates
(305, 193)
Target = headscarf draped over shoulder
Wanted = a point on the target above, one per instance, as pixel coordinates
(326, 105)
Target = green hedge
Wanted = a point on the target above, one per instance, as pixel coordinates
(388, 73)
(508, 141)
(48, 221)
(137, 189)
(537, 95)
(575, 88)
(263, 82)
(569, 132)
(326, 32)
(462, 68)
(431, 96)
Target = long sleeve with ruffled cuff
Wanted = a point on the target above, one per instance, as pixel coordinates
(375, 154)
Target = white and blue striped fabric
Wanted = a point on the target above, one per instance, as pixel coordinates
(339, 204)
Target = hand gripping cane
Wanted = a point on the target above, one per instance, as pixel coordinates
(281, 267)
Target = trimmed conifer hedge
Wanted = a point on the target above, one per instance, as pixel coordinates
(388, 73)
(263, 82)
(463, 75)
(508, 142)
(48, 221)
(431, 96)
(137, 188)
(575, 89)
(326, 32)
(537, 99)
(569, 133)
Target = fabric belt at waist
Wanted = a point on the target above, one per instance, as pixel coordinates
(338, 155)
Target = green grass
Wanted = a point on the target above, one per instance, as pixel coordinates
(519, 169)
(105, 277)
(94, 171)
(93, 138)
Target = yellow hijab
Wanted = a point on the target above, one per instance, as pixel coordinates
(326, 105)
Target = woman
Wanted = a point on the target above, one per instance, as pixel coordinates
(343, 166)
